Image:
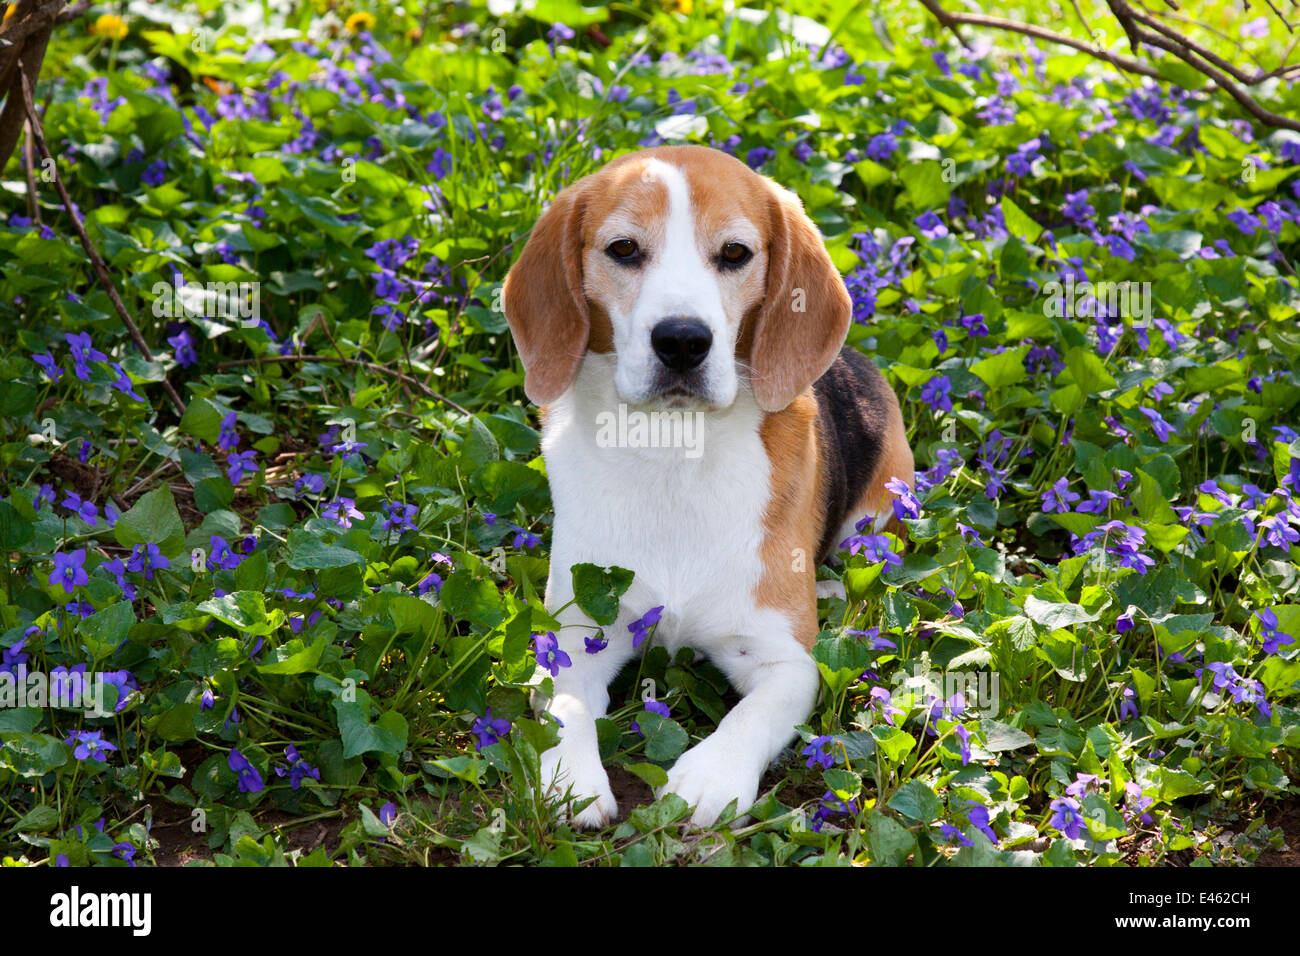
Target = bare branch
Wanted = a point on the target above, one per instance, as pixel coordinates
(1199, 50)
(100, 267)
(1179, 48)
(29, 166)
(358, 363)
(952, 20)
(1143, 29)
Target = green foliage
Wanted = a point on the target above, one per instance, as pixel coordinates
(317, 590)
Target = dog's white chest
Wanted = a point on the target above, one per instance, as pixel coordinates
(687, 519)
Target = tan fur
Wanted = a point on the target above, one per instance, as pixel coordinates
(552, 295)
(791, 349)
(544, 301)
(793, 522)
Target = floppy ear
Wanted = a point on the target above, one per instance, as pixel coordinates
(805, 314)
(544, 301)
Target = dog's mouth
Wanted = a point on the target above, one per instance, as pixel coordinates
(679, 399)
(679, 392)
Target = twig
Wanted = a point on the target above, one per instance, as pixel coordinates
(1137, 35)
(359, 363)
(143, 482)
(319, 319)
(951, 20)
(73, 12)
(29, 161)
(1223, 74)
(101, 268)
(1191, 21)
(1284, 68)
(1278, 13)
(1199, 50)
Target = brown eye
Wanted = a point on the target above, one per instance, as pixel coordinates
(622, 249)
(734, 255)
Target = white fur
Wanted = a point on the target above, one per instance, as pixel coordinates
(691, 529)
(679, 281)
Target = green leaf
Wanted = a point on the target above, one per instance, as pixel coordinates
(15, 530)
(665, 739)
(924, 184)
(653, 775)
(33, 755)
(480, 445)
(895, 744)
(1019, 223)
(916, 801)
(845, 784)
(245, 611)
(1059, 614)
(999, 737)
(1178, 783)
(1068, 399)
(667, 810)
(202, 420)
(110, 625)
(307, 552)
(152, 520)
(412, 615)
(386, 735)
(294, 658)
(1087, 370)
(597, 590)
(888, 840)
(176, 723)
(1149, 500)
(472, 599)
(20, 720)
(998, 371)
(40, 819)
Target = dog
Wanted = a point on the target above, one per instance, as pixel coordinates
(676, 281)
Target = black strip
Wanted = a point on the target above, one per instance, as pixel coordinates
(853, 403)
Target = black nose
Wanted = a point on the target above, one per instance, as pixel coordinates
(681, 344)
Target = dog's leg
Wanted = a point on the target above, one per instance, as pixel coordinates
(779, 682)
(581, 696)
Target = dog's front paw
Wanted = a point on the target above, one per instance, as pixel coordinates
(708, 777)
(562, 773)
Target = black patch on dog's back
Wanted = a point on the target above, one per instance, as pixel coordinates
(852, 412)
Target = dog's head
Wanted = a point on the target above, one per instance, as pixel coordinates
(696, 272)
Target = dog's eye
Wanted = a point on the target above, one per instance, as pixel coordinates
(734, 255)
(623, 250)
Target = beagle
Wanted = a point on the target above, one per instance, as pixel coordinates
(677, 283)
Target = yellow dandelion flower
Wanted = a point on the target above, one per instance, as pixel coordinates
(109, 26)
(684, 6)
(360, 21)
